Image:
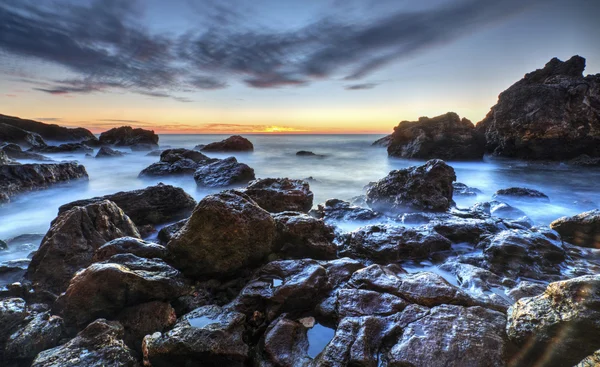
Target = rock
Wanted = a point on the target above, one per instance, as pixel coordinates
(305, 153)
(145, 319)
(174, 155)
(520, 193)
(100, 344)
(283, 286)
(581, 229)
(72, 240)
(14, 151)
(362, 302)
(177, 162)
(12, 134)
(167, 232)
(233, 143)
(523, 253)
(453, 336)
(43, 332)
(48, 131)
(209, 335)
(442, 137)
(562, 324)
(130, 245)
(339, 210)
(152, 205)
(25, 177)
(552, 113)
(13, 270)
(154, 153)
(585, 160)
(104, 289)
(62, 148)
(4, 159)
(12, 313)
(281, 194)
(223, 173)
(386, 243)
(526, 289)
(302, 236)
(128, 136)
(383, 142)
(422, 188)
(505, 211)
(460, 189)
(225, 233)
(285, 344)
(106, 152)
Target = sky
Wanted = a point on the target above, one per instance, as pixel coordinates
(277, 66)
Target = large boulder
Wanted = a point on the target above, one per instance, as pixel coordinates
(177, 162)
(281, 194)
(100, 344)
(72, 240)
(14, 151)
(552, 113)
(128, 136)
(233, 143)
(44, 331)
(302, 236)
(226, 233)
(15, 178)
(49, 131)
(423, 188)
(223, 173)
(104, 289)
(12, 134)
(146, 319)
(443, 137)
(152, 205)
(561, 325)
(12, 313)
(453, 336)
(520, 193)
(63, 148)
(207, 336)
(581, 229)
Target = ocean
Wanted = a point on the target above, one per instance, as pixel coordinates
(350, 163)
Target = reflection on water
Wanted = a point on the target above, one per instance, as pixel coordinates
(350, 163)
(202, 321)
(318, 338)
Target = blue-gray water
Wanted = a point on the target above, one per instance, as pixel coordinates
(350, 163)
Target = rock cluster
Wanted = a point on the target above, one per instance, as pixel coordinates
(235, 143)
(128, 136)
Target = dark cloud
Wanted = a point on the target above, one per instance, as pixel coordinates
(106, 47)
(361, 86)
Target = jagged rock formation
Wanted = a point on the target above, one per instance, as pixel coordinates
(128, 136)
(49, 131)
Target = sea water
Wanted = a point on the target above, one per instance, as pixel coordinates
(350, 163)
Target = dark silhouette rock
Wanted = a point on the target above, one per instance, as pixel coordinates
(562, 324)
(128, 136)
(62, 148)
(520, 193)
(106, 152)
(383, 142)
(581, 229)
(210, 335)
(226, 232)
(17, 178)
(281, 194)
(302, 236)
(177, 162)
(152, 205)
(552, 113)
(224, 173)
(100, 344)
(305, 153)
(48, 131)
(12, 134)
(72, 240)
(442, 137)
(585, 160)
(233, 143)
(423, 188)
(14, 151)
(104, 289)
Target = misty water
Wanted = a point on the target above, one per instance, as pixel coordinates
(349, 164)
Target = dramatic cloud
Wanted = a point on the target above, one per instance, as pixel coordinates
(361, 86)
(106, 48)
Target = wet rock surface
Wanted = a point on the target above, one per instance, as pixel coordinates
(128, 136)
(422, 188)
(442, 137)
(43, 332)
(552, 113)
(72, 240)
(106, 152)
(130, 245)
(520, 193)
(223, 173)
(281, 194)
(152, 205)
(581, 230)
(300, 235)
(14, 151)
(235, 143)
(16, 178)
(12, 134)
(62, 148)
(177, 162)
(339, 210)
